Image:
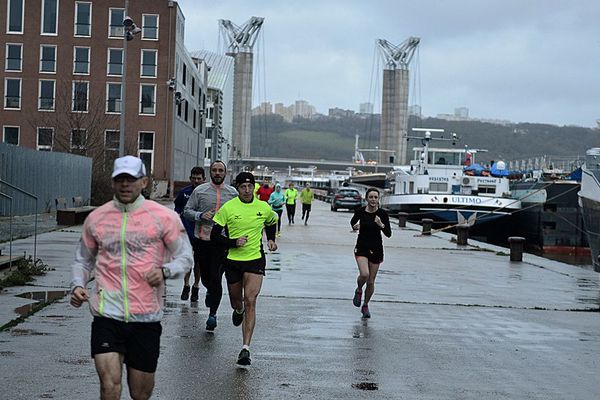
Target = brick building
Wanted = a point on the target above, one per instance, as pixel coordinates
(62, 66)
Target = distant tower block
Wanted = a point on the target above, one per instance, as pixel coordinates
(241, 41)
(394, 102)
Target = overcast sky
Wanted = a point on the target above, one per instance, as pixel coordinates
(520, 60)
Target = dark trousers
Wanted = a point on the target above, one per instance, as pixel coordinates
(211, 271)
(279, 214)
(291, 211)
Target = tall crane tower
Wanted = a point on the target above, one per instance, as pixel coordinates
(241, 40)
(394, 103)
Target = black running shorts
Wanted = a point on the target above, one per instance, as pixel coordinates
(374, 255)
(234, 270)
(305, 207)
(139, 342)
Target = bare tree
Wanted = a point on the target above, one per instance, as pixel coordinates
(83, 126)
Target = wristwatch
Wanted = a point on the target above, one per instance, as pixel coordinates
(166, 273)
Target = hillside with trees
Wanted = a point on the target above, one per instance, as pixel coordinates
(333, 138)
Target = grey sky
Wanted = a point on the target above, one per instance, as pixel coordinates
(521, 60)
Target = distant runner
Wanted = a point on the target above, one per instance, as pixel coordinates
(306, 197)
(370, 221)
(291, 194)
(277, 200)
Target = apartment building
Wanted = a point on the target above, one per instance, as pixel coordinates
(63, 68)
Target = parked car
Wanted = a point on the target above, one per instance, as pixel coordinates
(346, 198)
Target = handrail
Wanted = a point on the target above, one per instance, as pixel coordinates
(36, 214)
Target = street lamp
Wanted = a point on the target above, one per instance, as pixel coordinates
(129, 30)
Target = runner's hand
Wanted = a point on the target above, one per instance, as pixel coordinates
(356, 226)
(78, 296)
(208, 215)
(271, 245)
(241, 241)
(378, 221)
(154, 277)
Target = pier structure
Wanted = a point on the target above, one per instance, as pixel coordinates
(394, 102)
(240, 42)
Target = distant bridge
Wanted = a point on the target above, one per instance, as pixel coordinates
(283, 164)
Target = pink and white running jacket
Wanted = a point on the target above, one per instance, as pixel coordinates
(120, 243)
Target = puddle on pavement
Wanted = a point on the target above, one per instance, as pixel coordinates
(41, 299)
(365, 386)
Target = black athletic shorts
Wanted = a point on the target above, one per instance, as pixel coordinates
(234, 270)
(139, 342)
(305, 207)
(374, 255)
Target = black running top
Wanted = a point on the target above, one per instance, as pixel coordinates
(369, 233)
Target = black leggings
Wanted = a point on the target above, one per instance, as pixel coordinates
(211, 271)
(291, 211)
(279, 214)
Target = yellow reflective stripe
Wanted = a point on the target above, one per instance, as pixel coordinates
(124, 267)
(101, 305)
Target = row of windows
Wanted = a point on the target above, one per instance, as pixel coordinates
(80, 96)
(81, 60)
(15, 21)
(78, 141)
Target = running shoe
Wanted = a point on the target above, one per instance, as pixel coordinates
(237, 317)
(357, 298)
(211, 322)
(185, 293)
(244, 357)
(365, 312)
(194, 297)
(278, 234)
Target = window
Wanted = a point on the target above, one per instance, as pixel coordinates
(147, 99)
(184, 75)
(81, 60)
(111, 148)
(78, 141)
(83, 19)
(150, 26)
(115, 62)
(14, 57)
(187, 107)
(80, 96)
(12, 93)
(438, 187)
(115, 22)
(45, 139)
(146, 150)
(46, 101)
(11, 135)
(194, 119)
(148, 68)
(193, 86)
(49, 17)
(48, 58)
(113, 97)
(16, 11)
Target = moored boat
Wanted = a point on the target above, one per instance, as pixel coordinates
(439, 185)
(589, 201)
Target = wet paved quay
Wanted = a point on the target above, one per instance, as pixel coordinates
(449, 322)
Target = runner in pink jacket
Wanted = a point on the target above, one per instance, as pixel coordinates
(129, 246)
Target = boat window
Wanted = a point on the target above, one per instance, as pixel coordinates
(446, 158)
(487, 189)
(438, 187)
(411, 187)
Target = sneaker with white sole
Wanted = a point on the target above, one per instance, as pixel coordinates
(244, 357)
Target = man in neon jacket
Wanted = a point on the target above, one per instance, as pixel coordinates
(125, 244)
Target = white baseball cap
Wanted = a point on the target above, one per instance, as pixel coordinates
(129, 165)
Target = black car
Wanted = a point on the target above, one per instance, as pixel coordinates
(346, 198)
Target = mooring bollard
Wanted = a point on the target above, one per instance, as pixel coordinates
(462, 234)
(427, 222)
(402, 217)
(517, 244)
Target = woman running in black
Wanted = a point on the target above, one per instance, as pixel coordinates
(370, 221)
